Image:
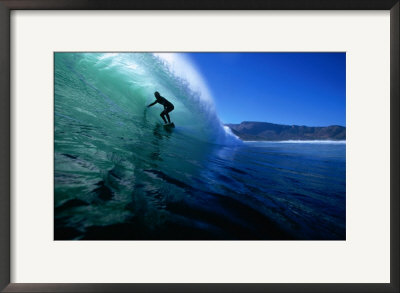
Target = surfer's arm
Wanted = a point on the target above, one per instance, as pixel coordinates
(152, 104)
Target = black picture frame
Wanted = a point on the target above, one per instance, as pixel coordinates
(7, 6)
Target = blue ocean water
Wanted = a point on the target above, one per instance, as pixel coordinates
(120, 175)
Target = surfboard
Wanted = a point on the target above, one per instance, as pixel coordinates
(169, 125)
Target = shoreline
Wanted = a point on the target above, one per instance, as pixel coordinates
(298, 141)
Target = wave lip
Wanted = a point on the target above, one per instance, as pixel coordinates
(181, 66)
(199, 98)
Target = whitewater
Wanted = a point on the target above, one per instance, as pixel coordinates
(120, 175)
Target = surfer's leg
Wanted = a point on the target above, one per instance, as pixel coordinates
(167, 111)
(162, 116)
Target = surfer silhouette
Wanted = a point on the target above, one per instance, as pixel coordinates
(168, 106)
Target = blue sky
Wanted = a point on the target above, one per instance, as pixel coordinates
(285, 88)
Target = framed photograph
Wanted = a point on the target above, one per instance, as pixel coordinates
(200, 147)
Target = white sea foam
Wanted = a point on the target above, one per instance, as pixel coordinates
(107, 55)
(231, 136)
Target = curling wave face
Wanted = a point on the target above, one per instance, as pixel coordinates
(105, 137)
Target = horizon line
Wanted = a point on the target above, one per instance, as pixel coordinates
(226, 123)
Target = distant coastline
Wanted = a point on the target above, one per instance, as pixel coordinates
(264, 131)
(298, 141)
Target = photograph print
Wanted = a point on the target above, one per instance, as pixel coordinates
(199, 146)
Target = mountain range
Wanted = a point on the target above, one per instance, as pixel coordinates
(264, 131)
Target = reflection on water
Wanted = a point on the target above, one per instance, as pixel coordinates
(168, 186)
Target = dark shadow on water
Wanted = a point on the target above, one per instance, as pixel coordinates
(159, 134)
(219, 217)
